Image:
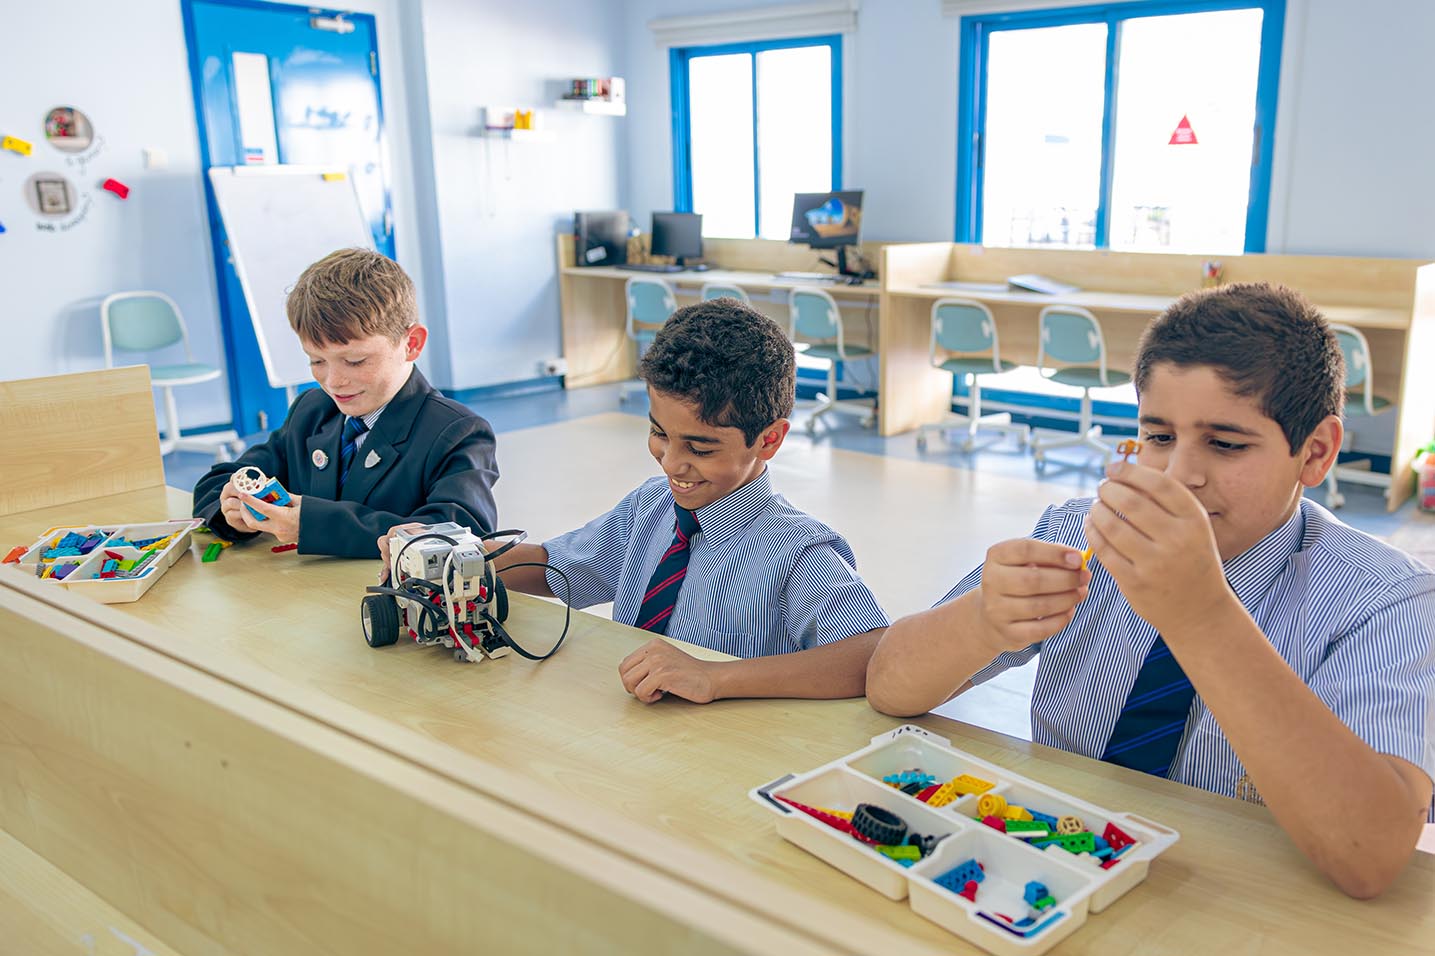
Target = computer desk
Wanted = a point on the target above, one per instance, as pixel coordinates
(227, 765)
(595, 341)
(1392, 301)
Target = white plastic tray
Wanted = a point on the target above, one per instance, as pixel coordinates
(86, 579)
(1078, 882)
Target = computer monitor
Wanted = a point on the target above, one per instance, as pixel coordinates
(678, 234)
(827, 220)
(601, 238)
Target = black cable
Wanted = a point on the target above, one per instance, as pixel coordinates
(567, 613)
(503, 549)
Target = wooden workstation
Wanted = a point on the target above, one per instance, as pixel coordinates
(1392, 301)
(224, 767)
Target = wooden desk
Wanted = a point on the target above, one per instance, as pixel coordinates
(595, 340)
(227, 764)
(1391, 300)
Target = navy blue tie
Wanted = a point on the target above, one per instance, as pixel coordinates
(662, 594)
(348, 446)
(1154, 718)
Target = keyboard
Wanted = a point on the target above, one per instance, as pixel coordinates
(651, 267)
(808, 276)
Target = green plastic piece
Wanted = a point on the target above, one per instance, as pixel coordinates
(900, 853)
(1026, 826)
(211, 553)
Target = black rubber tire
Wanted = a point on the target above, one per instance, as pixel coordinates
(879, 825)
(379, 615)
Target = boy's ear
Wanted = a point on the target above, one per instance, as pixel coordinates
(771, 438)
(1320, 450)
(414, 340)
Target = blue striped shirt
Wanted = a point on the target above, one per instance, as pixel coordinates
(1354, 617)
(763, 577)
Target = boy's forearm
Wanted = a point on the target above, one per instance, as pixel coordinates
(528, 580)
(828, 672)
(1311, 770)
(926, 659)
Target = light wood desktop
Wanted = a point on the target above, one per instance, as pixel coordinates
(595, 341)
(1391, 300)
(228, 765)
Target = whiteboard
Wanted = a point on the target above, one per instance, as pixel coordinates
(279, 221)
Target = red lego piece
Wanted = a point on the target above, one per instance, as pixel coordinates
(837, 823)
(996, 823)
(116, 187)
(922, 795)
(284, 547)
(1117, 837)
(1108, 864)
(970, 890)
(14, 554)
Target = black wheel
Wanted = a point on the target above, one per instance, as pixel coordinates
(380, 616)
(500, 599)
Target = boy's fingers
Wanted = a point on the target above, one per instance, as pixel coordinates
(1020, 551)
(1029, 581)
(1169, 494)
(649, 689)
(1039, 608)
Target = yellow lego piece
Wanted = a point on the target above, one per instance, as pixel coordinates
(15, 145)
(966, 784)
(945, 794)
(844, 814)
(1017, 813)
(333, 177)
(991, 805)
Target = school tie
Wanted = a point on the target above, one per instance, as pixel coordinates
(1152, 722)
(662, 594)
(353, 428)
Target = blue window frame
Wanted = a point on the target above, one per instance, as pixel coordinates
(976, 33)
(679, 61)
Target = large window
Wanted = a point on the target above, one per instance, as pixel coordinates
(754, 123)
(1133, 126)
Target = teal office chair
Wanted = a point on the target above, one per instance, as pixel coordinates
(964, 342)
(1360, 401)
(724, 290)
(650, 301)
(815, 327)
(150, 322)
(1072, 335)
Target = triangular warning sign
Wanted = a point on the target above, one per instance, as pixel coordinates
(1184, 135)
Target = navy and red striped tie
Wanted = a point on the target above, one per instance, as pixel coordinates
(1148, 732)
(662, 594)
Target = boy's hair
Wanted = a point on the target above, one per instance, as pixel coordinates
(1264, 340)
(352, 294)
(731, 361)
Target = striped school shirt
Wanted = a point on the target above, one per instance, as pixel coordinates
(1354, 617)
(763, 578)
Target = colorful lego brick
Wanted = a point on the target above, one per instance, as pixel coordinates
(1108, 864)
(15, 554)
(922, 795)
(62, 571)
(844, 814)
(1017, 813)
(1071, 842)
(837, 823)
(1027, 829)
(991, 805)
(900, 853)
(957, 878)
(970, 890)
(211, 553)
(16, 145)
(945, 794)
(909, 777)
(116, 187)
(996, 823)
(1069, 825)
(966, 784)
(1117, 837)
(1034, 891)
(1046, 818)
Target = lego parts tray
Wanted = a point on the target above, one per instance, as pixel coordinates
(912, 817)
(109, 563)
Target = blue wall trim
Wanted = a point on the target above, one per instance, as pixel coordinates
(531, 386)
(973, 43)
(678, 81)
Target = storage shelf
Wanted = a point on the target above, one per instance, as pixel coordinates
(594, 107)
(520, 135)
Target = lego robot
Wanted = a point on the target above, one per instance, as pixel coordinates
(442, 589)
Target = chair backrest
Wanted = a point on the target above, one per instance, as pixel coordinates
(1358, 373)
(1072, 336)
(724, 290)
(650, 302)
(141, 322)
(965, 327)
(76, 437)
(813, 314)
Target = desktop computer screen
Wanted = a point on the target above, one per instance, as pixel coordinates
(601, 238)
(827, 220)
(678, 234)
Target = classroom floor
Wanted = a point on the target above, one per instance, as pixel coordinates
(916, 522)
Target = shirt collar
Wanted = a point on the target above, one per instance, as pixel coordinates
(373, 416)
(735, 510)
(1252, 572)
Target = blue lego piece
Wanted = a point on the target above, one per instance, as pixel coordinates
(1034, 891)
(957, 878)
(1044, 818)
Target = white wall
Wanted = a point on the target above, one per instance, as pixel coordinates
(130, 75)
(499, 204)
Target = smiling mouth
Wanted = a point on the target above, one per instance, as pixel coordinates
(683, 485)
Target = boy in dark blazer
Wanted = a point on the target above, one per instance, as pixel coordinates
(375, 445)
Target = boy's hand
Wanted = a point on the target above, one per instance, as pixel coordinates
(1154, 537)
(658, 667)
(1030, 590)
(282, 522)
(383, 543)
(231, 506)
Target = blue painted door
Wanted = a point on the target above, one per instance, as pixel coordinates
(282, 84)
